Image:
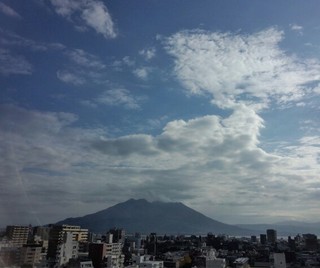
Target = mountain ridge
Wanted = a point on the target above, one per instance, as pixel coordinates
(140, 215)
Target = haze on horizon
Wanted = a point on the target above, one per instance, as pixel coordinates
(214, 104)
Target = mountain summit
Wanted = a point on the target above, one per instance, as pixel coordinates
(160, 217)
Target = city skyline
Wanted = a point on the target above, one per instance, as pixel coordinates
(214, 104)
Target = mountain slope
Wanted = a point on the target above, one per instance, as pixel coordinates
(143, 216)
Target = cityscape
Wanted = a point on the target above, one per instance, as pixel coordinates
(159, 134)
(71, 246)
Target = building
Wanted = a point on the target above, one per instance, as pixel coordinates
(271, 236)
(279, 260)
(310, 242)
(60, 242)
(17, 235)
(151, 264)
(263, 239)
(9, 256)
(216, 263)
(118, 235)
(113, 261)
(242, 263)
(146, 262)
(41, 236)
(213, 262)
(78, 234)
(67, 250)
(86, 264)
(97, 252)
(113, 256)
(253, 239)
(31, 255)
(113, 249)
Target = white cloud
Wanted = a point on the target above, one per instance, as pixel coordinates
(128, 61)
(66, 7)
(85, 59)
(125, 61)
(9, 11)
(188, 161)
(69, 77)
(9, 38)
(97, 16)
(141, 73)
(148, 53)
(14, 64)
(83, 67)
(240, 67)
(91, 13)
(296, 27)
(119, 97)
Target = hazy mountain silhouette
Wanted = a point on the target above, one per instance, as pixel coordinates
(160, 217)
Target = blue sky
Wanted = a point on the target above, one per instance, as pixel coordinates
(211, 103)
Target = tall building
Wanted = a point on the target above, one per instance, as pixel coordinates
(58, 238)
(271, 236)
(67, 250)
(97, 252)
(107, 254)
(263, 239)
(279, 260)
(78, 234)
(31, 255)
(17, 235)
(118, 235)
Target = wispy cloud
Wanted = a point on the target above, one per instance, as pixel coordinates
(84, 59)
(69, 77)
(91, 13)
(82, 68)
(9, 11)
(148, 53)
(124, 62)
(14, 64)
(119, 97)
(10, 39)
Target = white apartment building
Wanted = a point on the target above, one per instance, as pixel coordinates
(242, 263)
(114, 256)
(279, 260)
(213, 262)
(145, 262)
(66, 250)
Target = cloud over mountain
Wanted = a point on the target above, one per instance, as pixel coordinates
(224, 119)
(188, 161)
